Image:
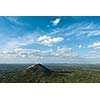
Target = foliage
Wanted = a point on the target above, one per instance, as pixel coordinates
(60, 75)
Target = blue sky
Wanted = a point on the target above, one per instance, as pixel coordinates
(49, 39)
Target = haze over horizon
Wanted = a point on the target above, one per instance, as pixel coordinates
(50, 39)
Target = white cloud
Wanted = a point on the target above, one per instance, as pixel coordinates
(93, 54)
(59, 52)
(48, 40)
(54, 31)
(12, 43)
(23, 52)
(56, 21)
(15, 20)
(24, 55)
(80, 46)
(79, 29)
(63, 52)
(95, 45)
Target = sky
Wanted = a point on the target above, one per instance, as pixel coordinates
(50, 39)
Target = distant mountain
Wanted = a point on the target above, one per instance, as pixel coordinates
(37, 73)
(39, 70)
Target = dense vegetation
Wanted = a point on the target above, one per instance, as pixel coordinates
(58, 74)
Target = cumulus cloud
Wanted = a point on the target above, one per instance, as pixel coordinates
(48, 40)
(56, 21)
(80, 46)
(64, 52)
(95, 45)
(23, 52)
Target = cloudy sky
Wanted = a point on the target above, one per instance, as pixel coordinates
(49, 39)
